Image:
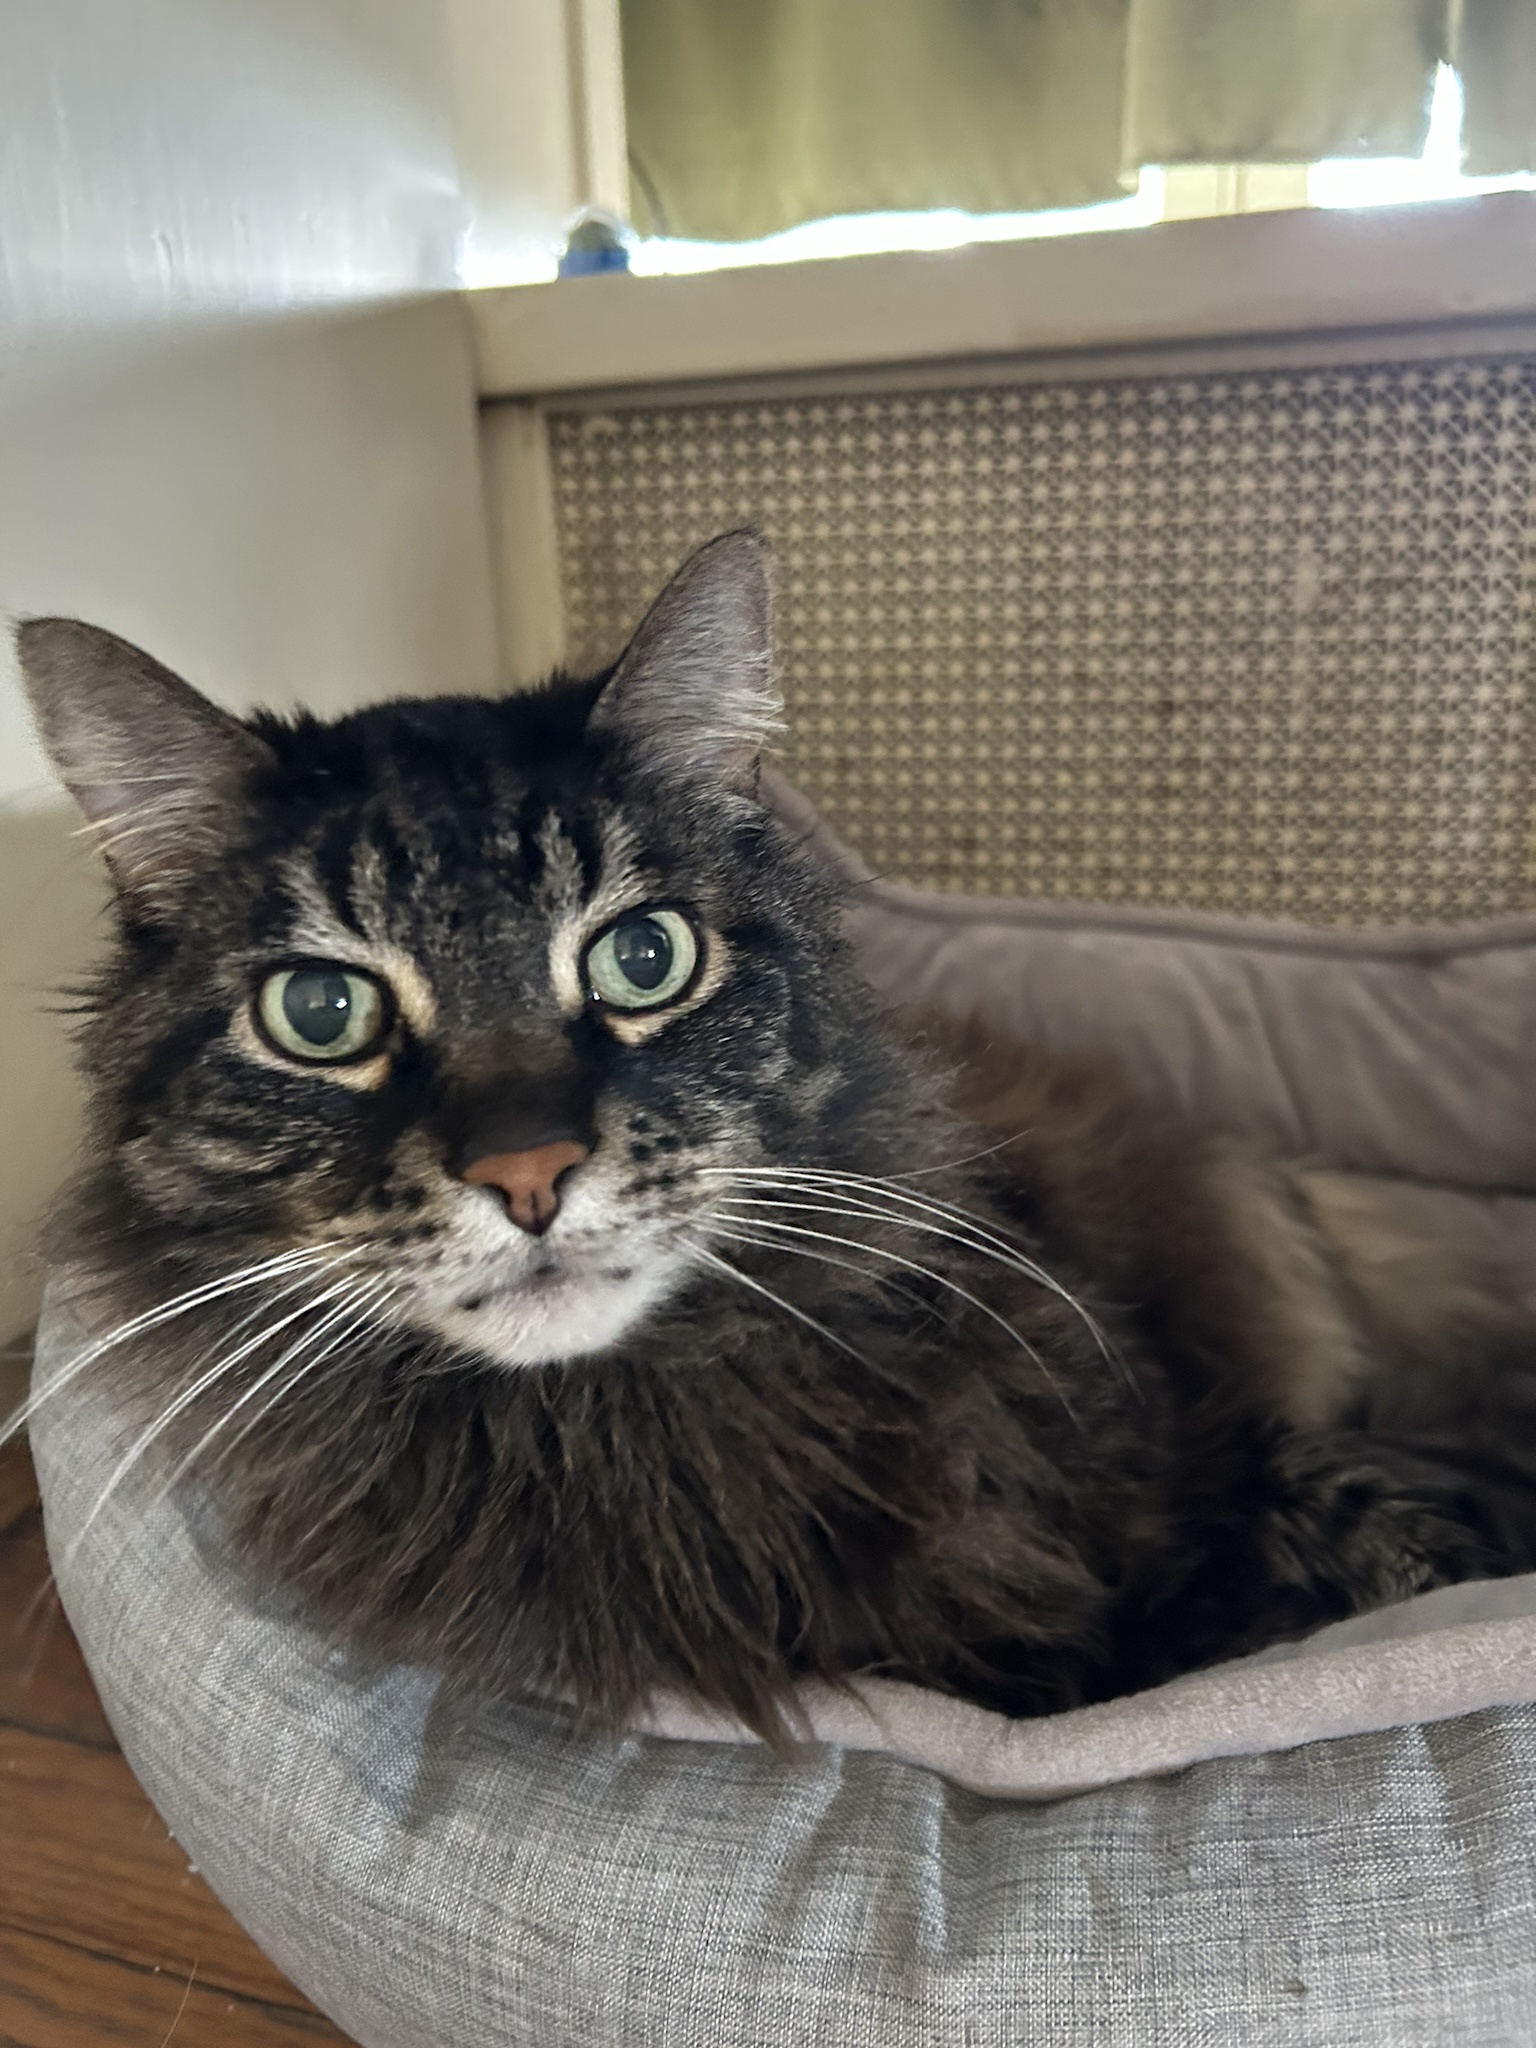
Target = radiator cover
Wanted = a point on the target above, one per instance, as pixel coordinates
(1256, 640)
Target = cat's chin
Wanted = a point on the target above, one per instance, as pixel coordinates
(553, 1315)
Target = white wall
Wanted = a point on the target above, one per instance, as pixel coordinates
(539, 116)
(236, 408)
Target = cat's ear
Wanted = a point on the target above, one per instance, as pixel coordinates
(156, 768)
(694, 688)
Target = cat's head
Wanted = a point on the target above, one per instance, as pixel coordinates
(472, 997)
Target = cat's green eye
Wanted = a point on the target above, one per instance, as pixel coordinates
(322, 1012)
(643, 961)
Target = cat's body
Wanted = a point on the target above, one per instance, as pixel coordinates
(599, 1295)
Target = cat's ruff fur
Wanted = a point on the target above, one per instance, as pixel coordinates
(1007, 1383)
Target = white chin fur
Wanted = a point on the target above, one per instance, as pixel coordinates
(571, 1315)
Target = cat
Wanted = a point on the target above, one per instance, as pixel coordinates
(508, 1208)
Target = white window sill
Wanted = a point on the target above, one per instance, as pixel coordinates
(1269, 276)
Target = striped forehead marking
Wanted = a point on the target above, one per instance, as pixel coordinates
(623, 883)
(317, 932)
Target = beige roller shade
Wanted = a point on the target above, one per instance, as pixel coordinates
(751, 117)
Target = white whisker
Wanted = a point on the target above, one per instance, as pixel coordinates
(149, 1436)
(720, 1265)
(838, 1204)
(835, 1204)
(737, 1235)
(95, 773)
(151, 1319)
(965, 1159)
(926, 1204)
(939, 1279)
(344, 1313)
(719, 1230)
(984, 1238)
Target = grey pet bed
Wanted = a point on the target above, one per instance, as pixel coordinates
(1326, 1845)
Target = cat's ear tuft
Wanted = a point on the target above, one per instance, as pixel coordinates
(157, 770)
(694, 688)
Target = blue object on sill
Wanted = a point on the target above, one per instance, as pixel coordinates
(597, 243)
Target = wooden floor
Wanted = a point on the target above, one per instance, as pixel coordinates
(107, 1936)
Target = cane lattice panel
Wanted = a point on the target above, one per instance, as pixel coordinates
(1255, 641)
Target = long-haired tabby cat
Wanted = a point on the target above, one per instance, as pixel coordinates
(510, 1209)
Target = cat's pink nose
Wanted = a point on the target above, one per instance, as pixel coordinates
(529, 1180)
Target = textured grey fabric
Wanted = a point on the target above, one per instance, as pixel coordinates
(1474, 1647)
(434, 1883)
(1405, 1057)
(434, 1880)
(1398, 1052)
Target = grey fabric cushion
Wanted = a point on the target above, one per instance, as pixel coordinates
(434, 1879)
(441, 1883)
(1407, 1057)
(1407, 1052)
